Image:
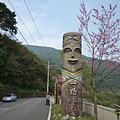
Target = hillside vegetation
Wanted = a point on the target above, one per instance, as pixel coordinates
(25, 73)
(108, 90)
(21, 71)
(47, 54)
(112, 83)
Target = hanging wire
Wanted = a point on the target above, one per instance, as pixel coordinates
(24, 26)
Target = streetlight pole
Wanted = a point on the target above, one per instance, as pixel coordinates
(48, 79)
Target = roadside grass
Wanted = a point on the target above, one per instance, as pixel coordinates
(56, 114)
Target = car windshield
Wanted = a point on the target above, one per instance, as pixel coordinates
(8, 96)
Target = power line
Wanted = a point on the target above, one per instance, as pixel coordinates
(30, 33)
(33, 21)
(24, 25)
(108, 74)
(25, 40)
(35, 26)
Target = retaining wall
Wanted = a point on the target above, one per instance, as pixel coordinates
(104, 113)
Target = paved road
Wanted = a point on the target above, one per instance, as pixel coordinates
(24, 109)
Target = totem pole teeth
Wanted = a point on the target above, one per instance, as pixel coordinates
(73, 61)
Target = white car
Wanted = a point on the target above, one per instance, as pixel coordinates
(9, 97)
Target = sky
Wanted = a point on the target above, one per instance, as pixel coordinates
(52, 18)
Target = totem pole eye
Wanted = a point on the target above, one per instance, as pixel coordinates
(78, 50)
(67, 50)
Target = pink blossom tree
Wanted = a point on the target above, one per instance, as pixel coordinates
(58, 85)
(58, 80)
(102, 43)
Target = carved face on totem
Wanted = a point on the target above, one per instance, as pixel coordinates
(71, 52)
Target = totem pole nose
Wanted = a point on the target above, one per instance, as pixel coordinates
(72, 56)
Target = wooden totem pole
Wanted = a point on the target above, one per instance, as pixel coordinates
(72, 97)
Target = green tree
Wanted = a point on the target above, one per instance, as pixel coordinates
(7, 19)
(0, 86)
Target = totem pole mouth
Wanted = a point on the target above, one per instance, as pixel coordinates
(73, 61)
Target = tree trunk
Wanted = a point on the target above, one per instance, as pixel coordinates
(95, 105)
(94, 87)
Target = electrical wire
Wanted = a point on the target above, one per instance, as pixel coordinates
(24, 25)
(35, 26)
(107, 75)
(49, 58)
(25, 40)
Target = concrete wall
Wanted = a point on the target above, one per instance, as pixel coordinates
(104, 113)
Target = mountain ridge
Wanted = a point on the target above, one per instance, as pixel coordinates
(55, 59)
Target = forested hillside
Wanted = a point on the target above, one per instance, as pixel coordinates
(108, 90)
(111, 83)
(24, 72)
(21, 69)
(47, 54)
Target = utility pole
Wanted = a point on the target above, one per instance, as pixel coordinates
(48, 76)
(48, 79)
(56, 96)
